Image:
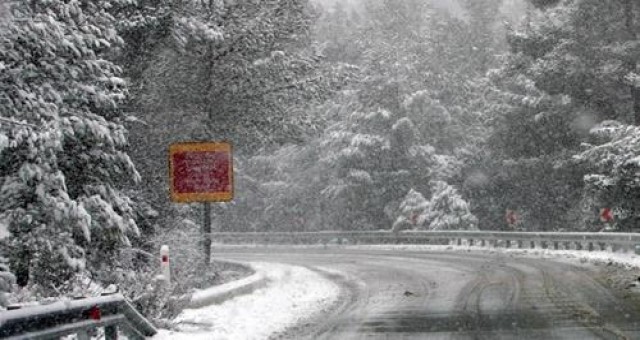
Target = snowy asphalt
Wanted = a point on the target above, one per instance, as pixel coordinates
(449, 295)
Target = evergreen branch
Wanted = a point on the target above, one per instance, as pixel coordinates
(11, 121)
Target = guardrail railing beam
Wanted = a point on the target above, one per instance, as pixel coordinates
(532, 240)
(78, 317)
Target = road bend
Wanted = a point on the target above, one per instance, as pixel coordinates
(456, 295)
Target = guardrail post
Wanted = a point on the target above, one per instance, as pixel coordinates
(590, 246)
(508, 243)
(555, 245)
(533, 244)
(83, 335)
(483, 242)
(459, 241)
(520, 245)
(578, 245)
(111, 332)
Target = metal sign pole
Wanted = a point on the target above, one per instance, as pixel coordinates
(206, 230)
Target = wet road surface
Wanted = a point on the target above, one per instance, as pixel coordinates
(449, 295)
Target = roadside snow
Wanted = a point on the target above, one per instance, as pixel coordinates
(221, 293)
(626, 259)
(292, 294)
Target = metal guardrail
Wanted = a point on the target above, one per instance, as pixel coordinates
(79, 317)
(551, 240)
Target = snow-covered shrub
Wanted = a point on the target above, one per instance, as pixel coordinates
(448, 210)
(413, 212)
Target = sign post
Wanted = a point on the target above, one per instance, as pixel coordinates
(511, 217)
(206, 231)
(201, 172)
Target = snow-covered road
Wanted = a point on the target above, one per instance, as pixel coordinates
(292, 294)
(438, 294)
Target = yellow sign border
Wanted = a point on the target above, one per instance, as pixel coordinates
(196, 147)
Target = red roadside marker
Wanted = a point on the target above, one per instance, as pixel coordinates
(606, 215)
(511, 217)
(95, 313)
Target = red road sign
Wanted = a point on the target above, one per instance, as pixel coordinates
(201, 172)
(511, 217)
(606, 215)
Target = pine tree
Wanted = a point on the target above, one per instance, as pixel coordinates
(447, 209)
(587, 50)
(412, 212)
(242, 71)
(612, 159)
(64, 161)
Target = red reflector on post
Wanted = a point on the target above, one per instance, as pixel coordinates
(165, 258)
(606, 215)
(95, 313)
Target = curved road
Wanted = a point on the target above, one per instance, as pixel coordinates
(449, 295)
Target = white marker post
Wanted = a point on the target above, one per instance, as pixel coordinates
(164, 263)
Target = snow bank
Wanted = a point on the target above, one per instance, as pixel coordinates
(627, 259)
(291, 295)
(219, 294)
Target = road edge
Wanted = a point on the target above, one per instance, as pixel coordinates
(221, 293)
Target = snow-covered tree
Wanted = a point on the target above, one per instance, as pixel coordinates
(612, 160)
(569, 67)
(63, 159)
(405, 122)
(448, 210)
(243, 71)
(487, 32)
(410, 46)
(587, 50)
(237, 68)
(335, 30)
(413, 212)
(374, 159)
